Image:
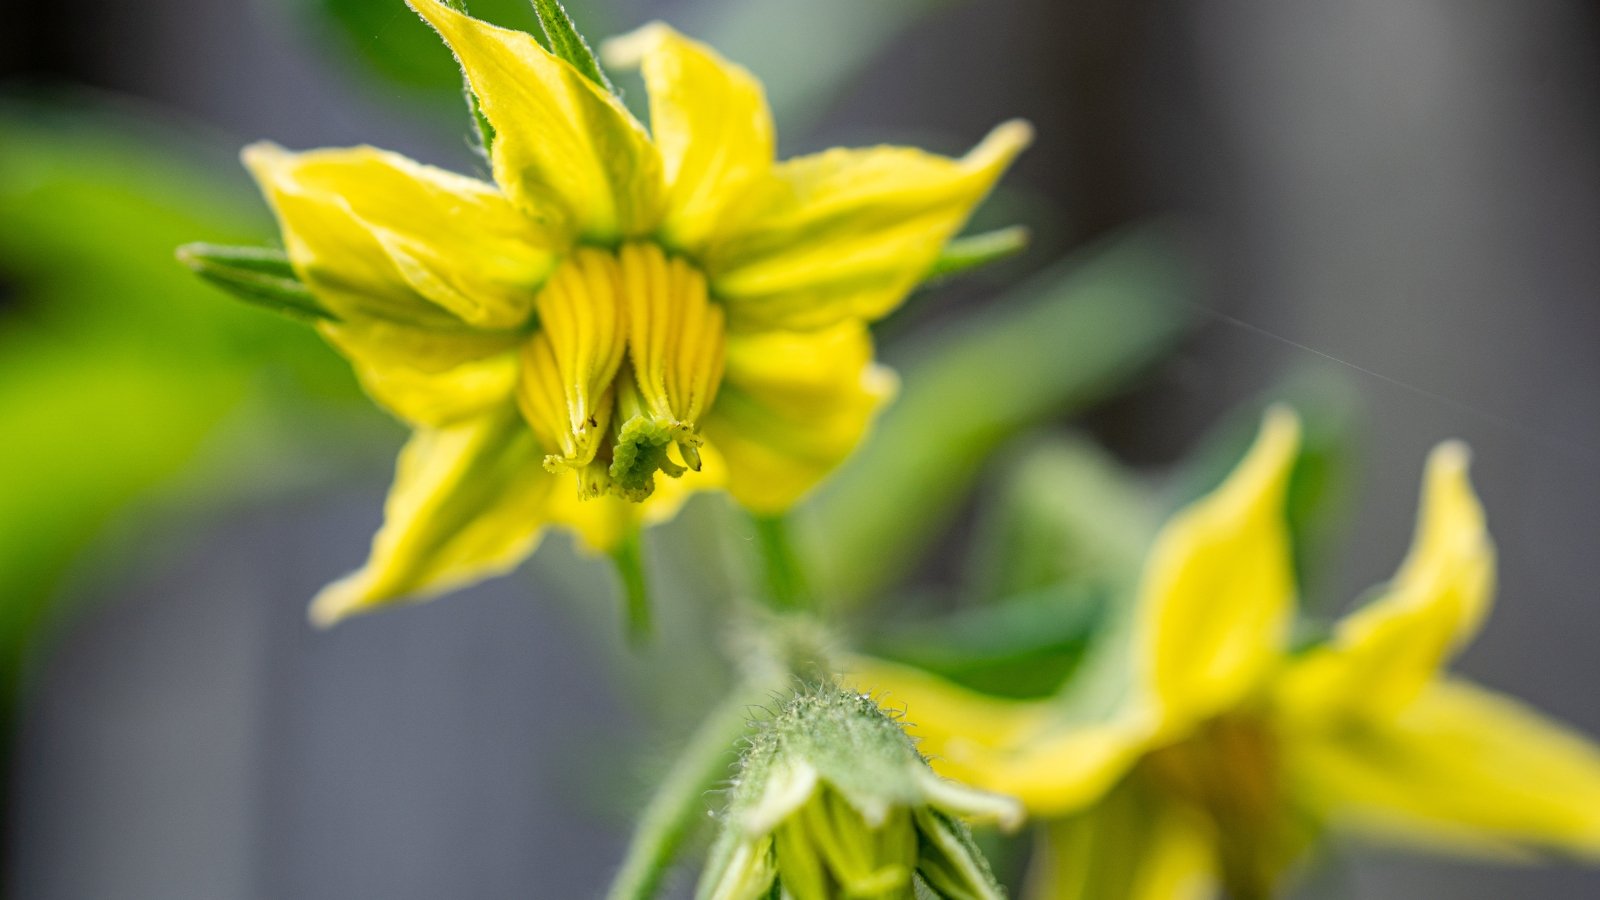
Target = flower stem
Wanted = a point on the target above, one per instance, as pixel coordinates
(629, 560)
(678, 803)
(786, 586)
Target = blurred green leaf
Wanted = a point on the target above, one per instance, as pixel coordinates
(397, 46)
(1060, 540)
(1070, 337)
(1321, 488)
(116, 362)
(1065, 513)
(1025, 646)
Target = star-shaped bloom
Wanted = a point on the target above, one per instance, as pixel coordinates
(618, 305)
(1231, 749)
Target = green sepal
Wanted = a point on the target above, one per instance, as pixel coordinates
(949, 862)
(628, 557)
(832, 799)
(485, 128)
(976, 251)
(259, 275)
(566, 42)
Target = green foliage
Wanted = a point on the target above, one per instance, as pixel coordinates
(1025, 646)
(806, 52)
(116, 363)
(1075, 334)
(1063, 512)
(398, 46)
(1321, 486)
(1059, 542)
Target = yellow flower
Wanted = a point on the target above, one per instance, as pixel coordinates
(1231, 749)
(618, 305)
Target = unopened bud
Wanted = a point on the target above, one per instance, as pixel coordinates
(833, 800)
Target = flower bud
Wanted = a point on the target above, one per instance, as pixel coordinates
(832, 800)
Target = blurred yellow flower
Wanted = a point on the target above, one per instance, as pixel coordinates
(619, 304)
(1229, 750)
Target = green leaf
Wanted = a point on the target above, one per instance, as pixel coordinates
(259, 275)
(388, 41)
(975, 251)
(1058, 540)
(116, 365)
(1064, 513)
(1321, 486)
(1025, 646)
(567, 43)
(1075, 334)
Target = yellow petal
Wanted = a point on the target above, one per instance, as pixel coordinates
(428, 377)
(1131, 846)
(1383, 654)
(711, 124)
(793, 405)
(848, 233)
(376, 235)
(1461, 768)
(568, 154)
(1025, 749)
(1217, 591)
(468, 502)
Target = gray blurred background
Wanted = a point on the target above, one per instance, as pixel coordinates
(1403, 192)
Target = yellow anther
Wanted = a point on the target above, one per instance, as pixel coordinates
(570, 364)
(615, 425)
(675, 340)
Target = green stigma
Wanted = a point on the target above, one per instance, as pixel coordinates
(639, 452)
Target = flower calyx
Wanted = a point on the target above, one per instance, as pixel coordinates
(833, 800)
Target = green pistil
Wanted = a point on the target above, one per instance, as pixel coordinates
(639, 452)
